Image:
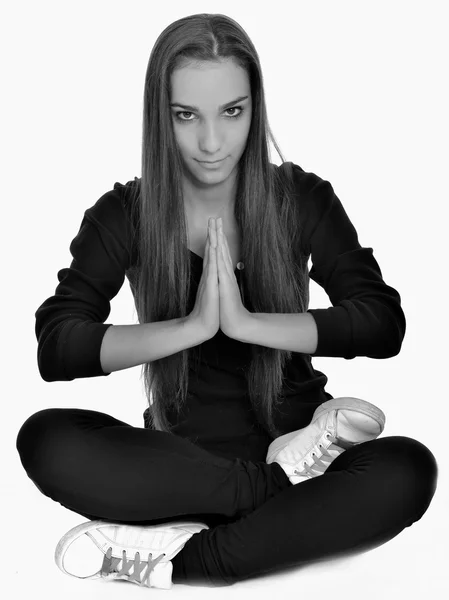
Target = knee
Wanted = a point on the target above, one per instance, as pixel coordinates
(415, 471)
(37, 436)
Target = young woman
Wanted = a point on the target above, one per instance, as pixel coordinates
(245, 464)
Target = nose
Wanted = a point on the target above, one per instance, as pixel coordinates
(210, 139)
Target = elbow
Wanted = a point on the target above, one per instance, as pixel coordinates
(47, 374)
(42, 363)
(392, 347)
(377, 329)
(384, 346)
(48, 366)
(390, 342)
(397, 348)
(397, 330)
(46, 377)
(382, 334)
(50, 375)
(399, 340)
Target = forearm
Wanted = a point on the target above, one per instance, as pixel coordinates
(285, 331)
(125, 346)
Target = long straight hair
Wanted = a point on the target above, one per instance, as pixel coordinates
(275, 277)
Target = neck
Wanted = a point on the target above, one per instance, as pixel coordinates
(210, 208)
(213, 201)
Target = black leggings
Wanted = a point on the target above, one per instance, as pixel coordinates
(103, 468)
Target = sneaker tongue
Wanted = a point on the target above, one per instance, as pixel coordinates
(344, 443)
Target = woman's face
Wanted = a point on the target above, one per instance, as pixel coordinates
(207, 124)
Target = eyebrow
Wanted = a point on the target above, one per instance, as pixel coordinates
(222, 107)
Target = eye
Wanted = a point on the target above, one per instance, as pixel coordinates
(234, 108)
(185, 112)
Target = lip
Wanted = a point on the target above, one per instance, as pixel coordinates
(210, 164)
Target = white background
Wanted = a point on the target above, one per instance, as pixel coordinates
(357, 93)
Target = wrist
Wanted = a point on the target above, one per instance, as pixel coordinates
(196, 329)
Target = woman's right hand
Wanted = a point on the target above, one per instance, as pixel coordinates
(206, 312)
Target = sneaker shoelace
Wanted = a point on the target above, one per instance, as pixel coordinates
(321, 463)
(109, 568)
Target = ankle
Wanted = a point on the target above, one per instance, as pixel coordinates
(280, 476)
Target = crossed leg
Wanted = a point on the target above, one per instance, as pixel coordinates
(368, 495)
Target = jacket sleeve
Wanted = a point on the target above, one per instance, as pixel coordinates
(366, 318)
(70, 325)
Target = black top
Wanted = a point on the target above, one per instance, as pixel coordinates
(365, 319)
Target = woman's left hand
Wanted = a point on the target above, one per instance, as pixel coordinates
(233, 315)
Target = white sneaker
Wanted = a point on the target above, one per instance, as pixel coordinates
(96, 549)
(336, 425)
